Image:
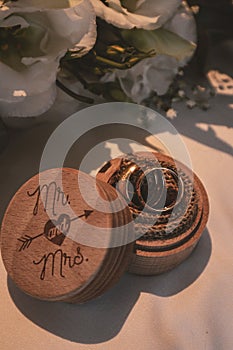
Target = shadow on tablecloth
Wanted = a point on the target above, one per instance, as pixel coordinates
(102, 319)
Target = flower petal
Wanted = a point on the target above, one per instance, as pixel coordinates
(33, 80)
(43, 4)
(14, 20)
(17, 88)
(147, 14)
(183, 23)
(156, 73)
(152, 8)
(31, 90)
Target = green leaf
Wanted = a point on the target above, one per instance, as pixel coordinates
(161, 41)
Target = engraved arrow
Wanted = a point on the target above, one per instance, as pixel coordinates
(86, 214)
(26, 240)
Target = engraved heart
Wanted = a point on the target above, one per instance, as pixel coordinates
(56, 231)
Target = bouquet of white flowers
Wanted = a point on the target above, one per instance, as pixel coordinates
(119, 49)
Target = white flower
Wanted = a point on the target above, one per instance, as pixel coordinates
(147, 14)
(157, 73)
(29, 57)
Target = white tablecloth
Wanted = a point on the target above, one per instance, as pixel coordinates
(188, 308)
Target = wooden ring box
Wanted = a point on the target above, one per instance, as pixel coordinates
(40, 238)
(40, 242)
(154, 251)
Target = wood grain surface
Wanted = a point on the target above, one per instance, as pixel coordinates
(40, 237)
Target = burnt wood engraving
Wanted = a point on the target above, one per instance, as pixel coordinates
(63, 260)
(54, 191)
(54, 230)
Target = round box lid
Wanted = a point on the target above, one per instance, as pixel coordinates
(56, 245)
